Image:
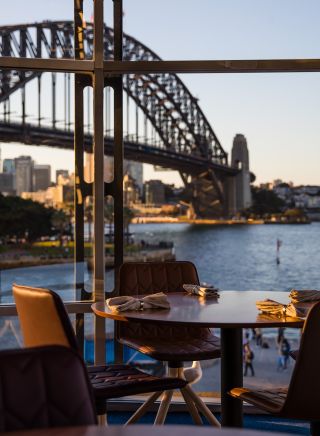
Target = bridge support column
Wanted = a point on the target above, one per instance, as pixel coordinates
(229, 188)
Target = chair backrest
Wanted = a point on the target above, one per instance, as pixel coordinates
(150, 277)
(303, 397)
(43, 317)
(36, 393)
(147, 278)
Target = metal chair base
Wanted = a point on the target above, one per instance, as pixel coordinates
(194, 403)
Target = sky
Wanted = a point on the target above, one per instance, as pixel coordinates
(279, 114)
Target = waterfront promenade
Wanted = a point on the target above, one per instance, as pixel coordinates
(179, 220)
(216, 222)
(265, 364)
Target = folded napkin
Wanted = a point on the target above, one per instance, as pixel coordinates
(304, 296)
(124, 303)
(272, 307)
(202, 291)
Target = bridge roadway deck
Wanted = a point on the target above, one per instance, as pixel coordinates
(140, 152)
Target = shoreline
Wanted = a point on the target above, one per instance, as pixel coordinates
(172, 220)
(211, 222)
(142, 256)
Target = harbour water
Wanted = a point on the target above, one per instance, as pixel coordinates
(241, 257)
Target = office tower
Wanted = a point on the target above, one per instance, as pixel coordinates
(154, 192)
(131, 192)
(135, 169)
(88, 168)
(41, 177)
(63, 173)
(7, 184)
(24, 172)
(8, 166)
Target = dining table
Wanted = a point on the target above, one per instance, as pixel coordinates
(231, 312)
(138, 430)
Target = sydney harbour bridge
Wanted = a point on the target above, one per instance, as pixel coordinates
(165, 124)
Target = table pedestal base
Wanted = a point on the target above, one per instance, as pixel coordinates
(231, 376)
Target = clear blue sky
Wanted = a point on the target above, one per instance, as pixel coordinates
(278, 113)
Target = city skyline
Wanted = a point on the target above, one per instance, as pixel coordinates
(278, 113)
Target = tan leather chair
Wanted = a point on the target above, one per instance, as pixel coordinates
(301, 400)
(36, 394)
(44, 321)
(171, 344)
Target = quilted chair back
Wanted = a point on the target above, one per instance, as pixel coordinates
(303, 397)
(44, 387)
(142, 278)
(150, 277)
(43, 318)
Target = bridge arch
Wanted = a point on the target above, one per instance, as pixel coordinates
(164, 99)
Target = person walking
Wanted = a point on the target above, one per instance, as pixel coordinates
(283, 353)
(285, 350)
(258, 337)
(280, 335)
(248, 358)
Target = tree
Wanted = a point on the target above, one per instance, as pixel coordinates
(61, 223)
(265, 202)
(23, 219)
(88, 211)
(109, 218)
(128, 214)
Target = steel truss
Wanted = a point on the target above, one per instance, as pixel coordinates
(164, 99)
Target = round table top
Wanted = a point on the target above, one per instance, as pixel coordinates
(138, 430)
(233, 309)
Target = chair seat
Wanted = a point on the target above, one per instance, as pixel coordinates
(271, 400)
(112, 381)
(177, 349)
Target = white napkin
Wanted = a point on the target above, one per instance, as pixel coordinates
(202, 291)
(304, 296)
(153, 301)
(272, 307)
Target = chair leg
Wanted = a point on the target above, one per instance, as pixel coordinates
(143, 408)
(202, 407)
(192, 408)
(102, 420)
(164, 407)
(315, 428)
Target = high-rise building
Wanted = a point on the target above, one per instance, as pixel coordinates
(7, 177)
(135, 169)
(8, 166)
(154, 192)
(88, 168)
(130, 190)
(41, 177)
(7, 184)
(63, 173)
(24, 172)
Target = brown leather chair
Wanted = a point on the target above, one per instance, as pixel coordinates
(294, 354)
(171, 344)
(302, 398)
(36, 394)
(44, 321)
